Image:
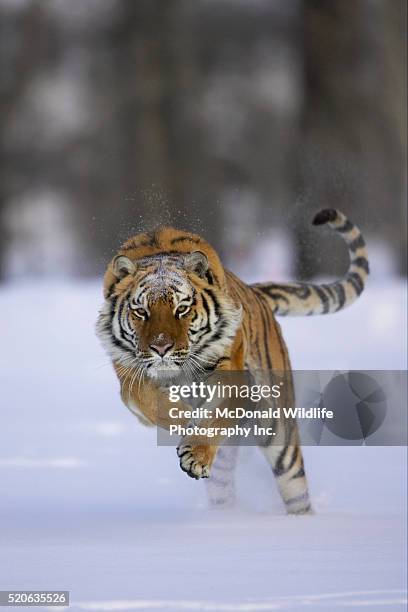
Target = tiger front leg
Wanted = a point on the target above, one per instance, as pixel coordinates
(196, 459)
(197, 452)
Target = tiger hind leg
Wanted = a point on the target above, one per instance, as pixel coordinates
(221, 483)
(287, 465)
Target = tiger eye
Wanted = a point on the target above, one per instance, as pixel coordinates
(140, 312)
(181, 310)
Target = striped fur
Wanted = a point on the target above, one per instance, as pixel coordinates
(171, 310)
(296, 299)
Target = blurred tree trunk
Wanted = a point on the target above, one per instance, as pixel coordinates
(156, 44)
(150, 150)
(165, 140)
(395, 97)
(350, 146)
(21, 45)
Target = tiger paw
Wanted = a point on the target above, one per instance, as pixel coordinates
(195, 460)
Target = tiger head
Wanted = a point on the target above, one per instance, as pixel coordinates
(167, 313)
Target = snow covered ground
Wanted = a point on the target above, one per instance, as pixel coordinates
(90, 504)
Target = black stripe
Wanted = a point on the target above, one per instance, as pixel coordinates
(346, 227)
(204, 328)
(264, 314)
(323, 298)
(215, 336)
(111, 288)
(301, 290)
(222, 360)
(128, 335)
(293, 458)
(108, 327)
(279, 296)
(297, 499)
(209, 277)
(113, 306)
(356, 281)
(361, 262)
(120, 314)
(216, 303)
(341, 295)
(300, 473)
(119, 344)
(206, 306)
(330, 291)
(357, 243)
(278, 468)
(143, 291)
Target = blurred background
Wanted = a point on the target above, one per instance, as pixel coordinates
(235, 119)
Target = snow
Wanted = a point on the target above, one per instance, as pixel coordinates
(90, 504)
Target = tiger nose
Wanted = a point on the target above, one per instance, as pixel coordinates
(161, 349)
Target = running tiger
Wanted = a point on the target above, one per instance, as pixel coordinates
(172, 309)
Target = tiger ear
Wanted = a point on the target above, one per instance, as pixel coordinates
(122, 266)
(196, 262)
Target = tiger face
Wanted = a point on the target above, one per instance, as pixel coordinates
(165, 318)
(160, 308)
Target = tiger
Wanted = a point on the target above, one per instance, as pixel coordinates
(170, 307)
